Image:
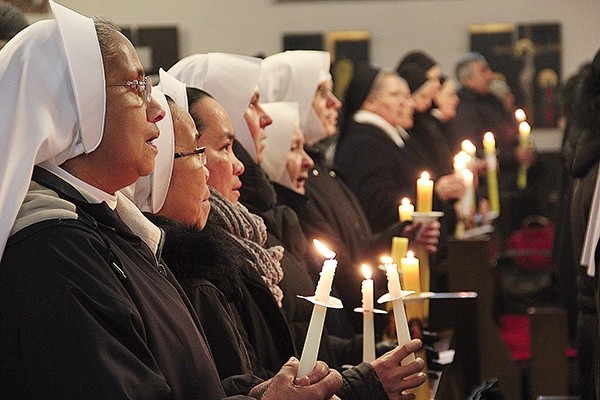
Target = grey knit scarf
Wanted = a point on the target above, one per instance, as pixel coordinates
(250, 232)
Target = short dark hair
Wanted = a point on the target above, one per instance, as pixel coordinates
(12, 21)
(194, 96)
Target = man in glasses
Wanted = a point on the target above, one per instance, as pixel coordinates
(87, 310)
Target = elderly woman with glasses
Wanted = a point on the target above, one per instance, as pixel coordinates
(176, 198)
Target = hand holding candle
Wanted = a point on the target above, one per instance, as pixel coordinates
(406, 210)
(424, 193)
(317, 320)
(489, 146)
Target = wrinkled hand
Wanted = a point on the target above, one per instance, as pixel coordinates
(450, 187)
(321, 384)
(427, 235)
(397, 380)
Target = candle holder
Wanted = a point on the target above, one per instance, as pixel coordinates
(332, 302)
(426, 217)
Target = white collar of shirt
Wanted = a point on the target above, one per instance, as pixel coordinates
(89, 192)
(368, 117)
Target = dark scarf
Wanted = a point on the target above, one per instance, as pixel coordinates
(250, 233)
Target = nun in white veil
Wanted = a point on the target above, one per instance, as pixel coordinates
(285, 161)
(295, 76)
(232, 80)
(52, 102)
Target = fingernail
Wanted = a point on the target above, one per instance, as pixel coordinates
(294, 359)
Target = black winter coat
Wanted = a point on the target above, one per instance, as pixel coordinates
(244, 326)
(378, 171)
(88, 312)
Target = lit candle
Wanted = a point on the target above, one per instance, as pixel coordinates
(520, 115)
(489, 146)
(524, 131)
(424, 193)
(466, 202)
(368, 320)
(317, 320)
(468, 147)
(395, 291)
(409, 266)
(406, 210)
(461, 161)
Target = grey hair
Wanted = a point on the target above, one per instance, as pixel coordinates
(464, 65)
(106, 30)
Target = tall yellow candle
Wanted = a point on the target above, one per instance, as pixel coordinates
(406, 210)
(489, 146)
(368, 320)
(424, 193)
(399, 248)
(524, 142)
(409, 266)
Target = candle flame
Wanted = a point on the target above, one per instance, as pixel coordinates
(524, 127)
(489, 137)
(323, 249)
(366, 270)
(425, 175)
(410, 254)
(405, 201)
(520, 115)
(387, 260)
(468, 146)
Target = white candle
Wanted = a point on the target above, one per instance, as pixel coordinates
(368, 319)
(395, 290)
(461, 160)
(317, 320)
(466, 202)
(468, 147)
(406, 210)
(520, 115)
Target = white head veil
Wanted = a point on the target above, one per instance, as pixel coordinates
(52, 102)
(148, 193)
(295, 76)
(286, 118)
(231, 79)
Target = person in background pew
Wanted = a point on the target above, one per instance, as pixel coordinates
(303, 77)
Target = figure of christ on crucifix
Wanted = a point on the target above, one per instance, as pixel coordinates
(530, 52)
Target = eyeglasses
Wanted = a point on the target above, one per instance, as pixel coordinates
(198, 151)
(142, 87)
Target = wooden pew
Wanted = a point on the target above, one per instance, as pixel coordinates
(469, 267)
